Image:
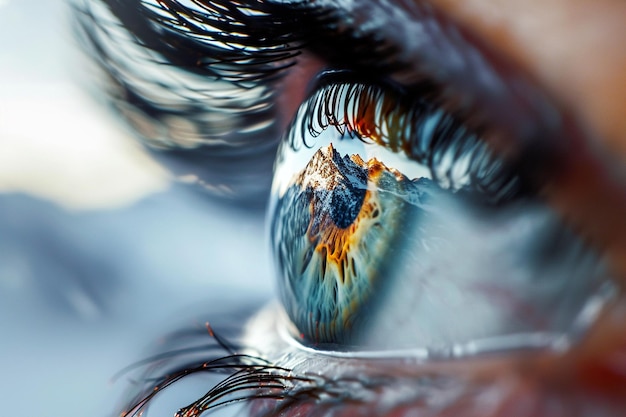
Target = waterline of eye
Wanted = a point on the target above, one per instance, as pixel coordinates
(521, 342)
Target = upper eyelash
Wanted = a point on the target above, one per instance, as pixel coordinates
(189, 87)
(198, 83)
(371, 106)
(219, 39)
(196, 43)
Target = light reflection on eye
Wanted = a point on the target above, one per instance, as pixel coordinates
(394, 227)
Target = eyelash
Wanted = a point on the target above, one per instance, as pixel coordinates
(249, 378)
(382, 113)
(200, 97)
(186, 37)
(248, 45)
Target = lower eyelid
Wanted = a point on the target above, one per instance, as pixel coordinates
(311, 385)
(546, 375)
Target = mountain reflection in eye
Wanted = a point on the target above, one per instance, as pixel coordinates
(393, 227)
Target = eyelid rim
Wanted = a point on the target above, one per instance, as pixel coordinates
(489, 346)
(261, 333)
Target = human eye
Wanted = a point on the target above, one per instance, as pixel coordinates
(435, 248)
(385, 209)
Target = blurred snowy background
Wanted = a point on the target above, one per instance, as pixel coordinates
(99, 253)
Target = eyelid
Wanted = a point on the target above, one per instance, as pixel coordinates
(200, 97)
(494, 346)
(475, 76)
(581, 371)
(481, 82)
(268, 335)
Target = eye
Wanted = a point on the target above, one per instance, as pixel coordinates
(403, 219)
(394, 227)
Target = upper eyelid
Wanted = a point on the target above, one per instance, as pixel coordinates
(269, 38)
(196, 39)
(212, 122)
(560, 155)
(483, 84)
(528, 122)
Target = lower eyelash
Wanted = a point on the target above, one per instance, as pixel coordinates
(249, 377)
(420, 127)
(273, 390)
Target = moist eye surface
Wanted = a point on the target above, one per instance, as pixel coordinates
(394, 227)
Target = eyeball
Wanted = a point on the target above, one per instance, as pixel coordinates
(377, 250)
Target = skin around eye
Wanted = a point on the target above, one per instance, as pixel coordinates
(381, 246)
(586, 380)
(584, 68)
